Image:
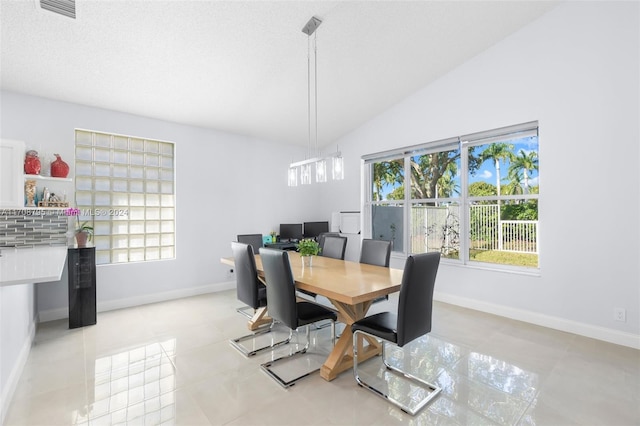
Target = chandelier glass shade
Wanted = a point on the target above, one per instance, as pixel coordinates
(293, 176)
(321, 171)
(338, 168)
(305, 174)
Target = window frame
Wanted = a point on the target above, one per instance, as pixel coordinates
(463, 144)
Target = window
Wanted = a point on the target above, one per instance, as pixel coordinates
(387, 206)
(474, 198)
(125, 187)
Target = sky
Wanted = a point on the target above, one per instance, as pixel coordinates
(487, 172)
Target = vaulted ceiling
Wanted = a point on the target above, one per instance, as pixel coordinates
(241, 66)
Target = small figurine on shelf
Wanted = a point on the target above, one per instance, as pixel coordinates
(59, 168)
(30, 192)
(32, 163)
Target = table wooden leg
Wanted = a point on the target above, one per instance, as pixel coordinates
(341, 357)
(259, 319)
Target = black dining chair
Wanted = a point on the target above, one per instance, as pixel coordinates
(255, 240)
(284, 308)
(250, 290)
(376, 252)
(324, 235)
(334, 247)
(412, 320)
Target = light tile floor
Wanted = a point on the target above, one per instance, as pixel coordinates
(171, 363)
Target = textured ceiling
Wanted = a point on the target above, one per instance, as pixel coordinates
(242, 66)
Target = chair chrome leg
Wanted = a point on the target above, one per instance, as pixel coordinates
(245, 311)
(321, 326)
(433, 389)
(249, 353)
(285, 384)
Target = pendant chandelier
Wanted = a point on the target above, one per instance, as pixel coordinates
(304, 168)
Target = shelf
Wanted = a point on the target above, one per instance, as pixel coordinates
(25, 208)
(38, 208)
(49, 178)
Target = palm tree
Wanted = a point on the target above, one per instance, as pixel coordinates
(514, 187)
(496, 152)
(386, 172)
(447, 185)
(526, 162)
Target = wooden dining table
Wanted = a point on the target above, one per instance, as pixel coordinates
(351, 287)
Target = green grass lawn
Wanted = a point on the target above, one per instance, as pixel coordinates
(505, 258)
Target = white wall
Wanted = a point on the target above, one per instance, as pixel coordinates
(17, 328)
(576, 70)
(226, 184)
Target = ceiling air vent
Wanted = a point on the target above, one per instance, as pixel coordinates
(63, 7)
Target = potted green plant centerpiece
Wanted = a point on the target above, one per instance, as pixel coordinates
(307, 249)
(84, 233)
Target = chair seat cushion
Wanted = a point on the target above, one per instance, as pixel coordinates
(310, 312)
(383, 325)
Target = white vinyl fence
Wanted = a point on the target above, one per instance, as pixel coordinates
(436, 228)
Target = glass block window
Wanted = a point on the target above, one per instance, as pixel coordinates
(125, 189)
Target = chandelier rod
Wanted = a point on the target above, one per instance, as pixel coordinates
(309, 96)
(309, 29)
(315, 80)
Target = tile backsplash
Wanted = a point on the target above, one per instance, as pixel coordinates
(28, 228)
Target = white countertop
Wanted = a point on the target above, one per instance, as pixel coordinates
(31, 265)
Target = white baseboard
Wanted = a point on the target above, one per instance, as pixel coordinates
(595, 332)
(110, 305)
(14, 376)
(557, 323)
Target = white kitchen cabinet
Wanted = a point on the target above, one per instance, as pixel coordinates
(11, 173)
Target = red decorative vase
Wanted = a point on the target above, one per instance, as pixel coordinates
(59, 168)
(32, 163)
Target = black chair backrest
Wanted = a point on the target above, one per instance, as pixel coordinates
(334, 247)
(246, 274)
(254, 239)
(324, 235)
(281, 287)
(375, 252)
(416, 296)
